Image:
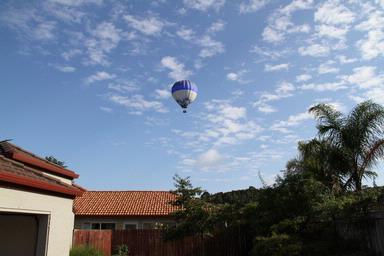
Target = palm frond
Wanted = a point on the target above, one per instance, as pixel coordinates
(330, 121)
(375, 152)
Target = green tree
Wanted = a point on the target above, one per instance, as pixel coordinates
(357, 136)
(320, 160)
(184, 191)
(56, 161)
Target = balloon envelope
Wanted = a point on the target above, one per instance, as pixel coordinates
(184, 92)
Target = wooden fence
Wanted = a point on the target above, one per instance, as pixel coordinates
(151, 243)
(99, 239)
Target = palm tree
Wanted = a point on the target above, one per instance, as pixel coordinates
(320, 160)
(357, 136)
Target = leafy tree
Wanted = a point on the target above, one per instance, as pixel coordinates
(357, 136)
(54, 160)
(193, 216)
(184, 191)
(322, 161)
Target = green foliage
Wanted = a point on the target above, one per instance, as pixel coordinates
(238, 197)
(300, 213)
(358, 138)
(54, 160)
(184, 191)
(276, 245)
(193, 216)
(122, 250)
(84, 251)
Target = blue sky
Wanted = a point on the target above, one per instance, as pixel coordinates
(88, 82)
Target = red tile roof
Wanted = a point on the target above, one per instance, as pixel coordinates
(16, 173)
(21, 155)
(124, 203)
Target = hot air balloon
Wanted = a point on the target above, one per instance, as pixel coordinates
(184, 92)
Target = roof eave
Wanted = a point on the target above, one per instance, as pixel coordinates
(32, 183)
(22, 157)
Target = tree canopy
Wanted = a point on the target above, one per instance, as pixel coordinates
(300, 213)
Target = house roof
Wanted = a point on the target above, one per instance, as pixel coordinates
(19, 154)
(124, 203)
(14, 172)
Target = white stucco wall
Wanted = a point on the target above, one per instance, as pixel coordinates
(120, 222)
(60, 211)
(62, 179)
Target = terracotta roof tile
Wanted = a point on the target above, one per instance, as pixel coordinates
(124, 203)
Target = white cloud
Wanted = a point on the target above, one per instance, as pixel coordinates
(270, 54)
(331, 31)
(28, 23)
(265, 108)
(293, 120)
(65, 69)
(252, 5)
(137, 104)
(232, 76)
(227, 124)
(334, 13)
(374, 21)
(372, 45)
(365, 77)
(105, 38)
(278, 67)
(314, 50)
(296, 5)
(326, 68)
(271, 35)
(345, 60)
(280, 22)
(376, 94)
(283, 90)
(148, 26)
(209, 158)
(76, 2)
(210, 47)
(106, 109)
(237, 76)
(162, 94)
(44, 31)
(99, 76)
(186, 34)
(66, 13)
(123, 85)
(285, 87)
(204, 5)
(324, 86)
(178, 71)
(303, 77)
(216, 26)
(67, 55)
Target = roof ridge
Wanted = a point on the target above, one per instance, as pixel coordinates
(39, 176)
(19, 154)
(36, 156)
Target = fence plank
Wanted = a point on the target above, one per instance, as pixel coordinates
(151, 243)
(99, 239)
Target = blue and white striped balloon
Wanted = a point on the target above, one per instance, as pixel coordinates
(184, 92)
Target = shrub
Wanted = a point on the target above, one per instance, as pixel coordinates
(83, 250)
(276, 245)
(122, 250)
